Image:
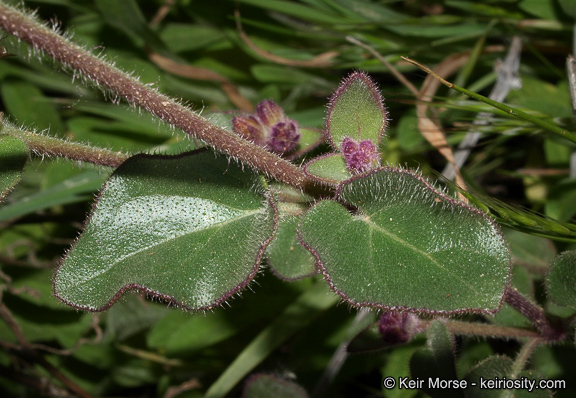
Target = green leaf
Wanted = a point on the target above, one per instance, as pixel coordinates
(288, 259)
(356, 110)
(541, 96)
(40, 323)
(407, 133)
(490, 369)
(370, 11)
(562, 196)
(561, 280)
(264, 386)
(569, 7)
(13, 157)
(557, 152)
(159, 226)
(299, 11)
(131, 316)
(396, 367)
(177, 336)
(406, 238)
(35, 283)
(134, 373)
(27, 104)
(187, 335)
(181, 37)
(530, 250)
(493, 11)
(330, 168)
(540, 9)
(436, 363)
(295, 317)
(424, 30)
(529, 376)
(287, 76)
(74, 189)
(309, 139)
(127, 16)
(489, 377)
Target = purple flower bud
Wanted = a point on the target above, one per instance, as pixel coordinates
(250, 128)
(398, 327)
(269, 128)
(359, 157)
(284, 136)
(269, 113)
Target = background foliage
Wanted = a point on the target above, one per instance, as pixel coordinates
(196, 52)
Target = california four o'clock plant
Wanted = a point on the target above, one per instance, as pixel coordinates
(263, 193)
(387, 238)
(194, 229)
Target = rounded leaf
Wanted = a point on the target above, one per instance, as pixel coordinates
(189, 229)
(407, 247)
(491, 368)
(561, 280)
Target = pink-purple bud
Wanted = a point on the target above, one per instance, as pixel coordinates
(269, 128)
(284, 137)
(398, 327)
(359, 157)
(269, 112)
(250, 128)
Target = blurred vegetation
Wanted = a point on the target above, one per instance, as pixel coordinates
(194, 51)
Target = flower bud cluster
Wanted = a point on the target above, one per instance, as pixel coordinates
(269, 128)
(359, 156)
(398, 327)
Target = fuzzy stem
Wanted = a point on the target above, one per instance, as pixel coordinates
(489, 330)
(44, 145)
(103, 74)
(531, 311)
(523, 356)
(520, 363)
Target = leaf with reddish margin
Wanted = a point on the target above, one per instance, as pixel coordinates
(189, 229)
(408, 246)
(356, 110)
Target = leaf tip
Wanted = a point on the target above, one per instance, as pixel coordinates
(356, 109)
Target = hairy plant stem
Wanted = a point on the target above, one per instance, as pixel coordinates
(531, 311)
(488, 330)
(523, 356)
(105, 75)
(43, 145)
